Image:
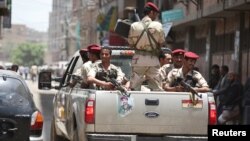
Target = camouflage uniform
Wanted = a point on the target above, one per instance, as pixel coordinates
(100, 73)
(165, 69)
(194, 78)
(86, 69)
(145, 61)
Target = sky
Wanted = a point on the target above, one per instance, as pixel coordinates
(33, 13)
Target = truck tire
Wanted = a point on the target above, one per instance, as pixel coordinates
(53, 135)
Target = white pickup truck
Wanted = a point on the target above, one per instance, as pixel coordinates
(98, 115)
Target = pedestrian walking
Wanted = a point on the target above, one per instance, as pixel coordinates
(231, 101)
(215, 76)
(220, 89)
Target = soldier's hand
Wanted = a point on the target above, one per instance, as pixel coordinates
(179, 89)
(108, 86)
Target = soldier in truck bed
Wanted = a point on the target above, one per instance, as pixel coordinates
(190, 76)
(147, 37)
(94, 58)
(178, 57)
(100, 71)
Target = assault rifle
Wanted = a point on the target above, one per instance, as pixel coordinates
(190, 89)
(118, 86)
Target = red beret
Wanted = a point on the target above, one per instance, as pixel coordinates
(84, 50)
(178, 52)
(92, 45)
(152, 6)
(191, 55)
(95, 49)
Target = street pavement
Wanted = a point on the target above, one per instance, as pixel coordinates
(43, 100)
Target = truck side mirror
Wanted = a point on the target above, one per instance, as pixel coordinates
(44, 80)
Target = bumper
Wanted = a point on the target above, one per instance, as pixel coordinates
(110, 137)
(36, 138)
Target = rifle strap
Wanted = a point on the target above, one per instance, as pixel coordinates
(156, 50)
(141, 34)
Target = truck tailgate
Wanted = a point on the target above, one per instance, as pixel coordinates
(172, 114)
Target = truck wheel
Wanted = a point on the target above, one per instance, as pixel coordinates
(53, 135)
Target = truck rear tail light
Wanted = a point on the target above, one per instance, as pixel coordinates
(36, 121)
(212, 114)
(90, 112)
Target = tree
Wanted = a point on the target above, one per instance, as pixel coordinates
(28, 54)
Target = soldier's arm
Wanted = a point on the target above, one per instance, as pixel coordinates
(91, 79)
(130, 37)
(161, 39)
(202, 89)
(103, 84)
(168, 86)
(202, 84)
(177, 88)
(120, 75)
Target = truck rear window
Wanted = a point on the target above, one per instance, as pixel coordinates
(124, 62)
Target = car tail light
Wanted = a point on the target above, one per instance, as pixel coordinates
(90, 112)
(36, 121)
(212, 113)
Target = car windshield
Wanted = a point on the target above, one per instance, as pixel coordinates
(12, 86)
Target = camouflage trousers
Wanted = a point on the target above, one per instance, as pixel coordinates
(151, 74)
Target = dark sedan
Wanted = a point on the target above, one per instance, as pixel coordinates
(20, 120)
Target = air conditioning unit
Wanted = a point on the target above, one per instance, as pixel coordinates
(3, 4)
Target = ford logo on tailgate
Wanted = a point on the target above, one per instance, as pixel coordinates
(151, 114)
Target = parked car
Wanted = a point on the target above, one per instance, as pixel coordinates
(20, 120)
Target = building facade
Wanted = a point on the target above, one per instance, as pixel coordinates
(16, 35)
(60, 40)
(218, 30)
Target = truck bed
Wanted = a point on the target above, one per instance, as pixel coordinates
(156, 113)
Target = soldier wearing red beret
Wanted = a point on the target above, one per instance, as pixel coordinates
(93, 54)
(178, 56)
(188, 75)
(94, 58)
(191, 55)
(152, 6)
(84, 55)
(95, 50)
(148, 43)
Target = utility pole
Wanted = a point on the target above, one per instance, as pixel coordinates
(91, 4)
(66, 28)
